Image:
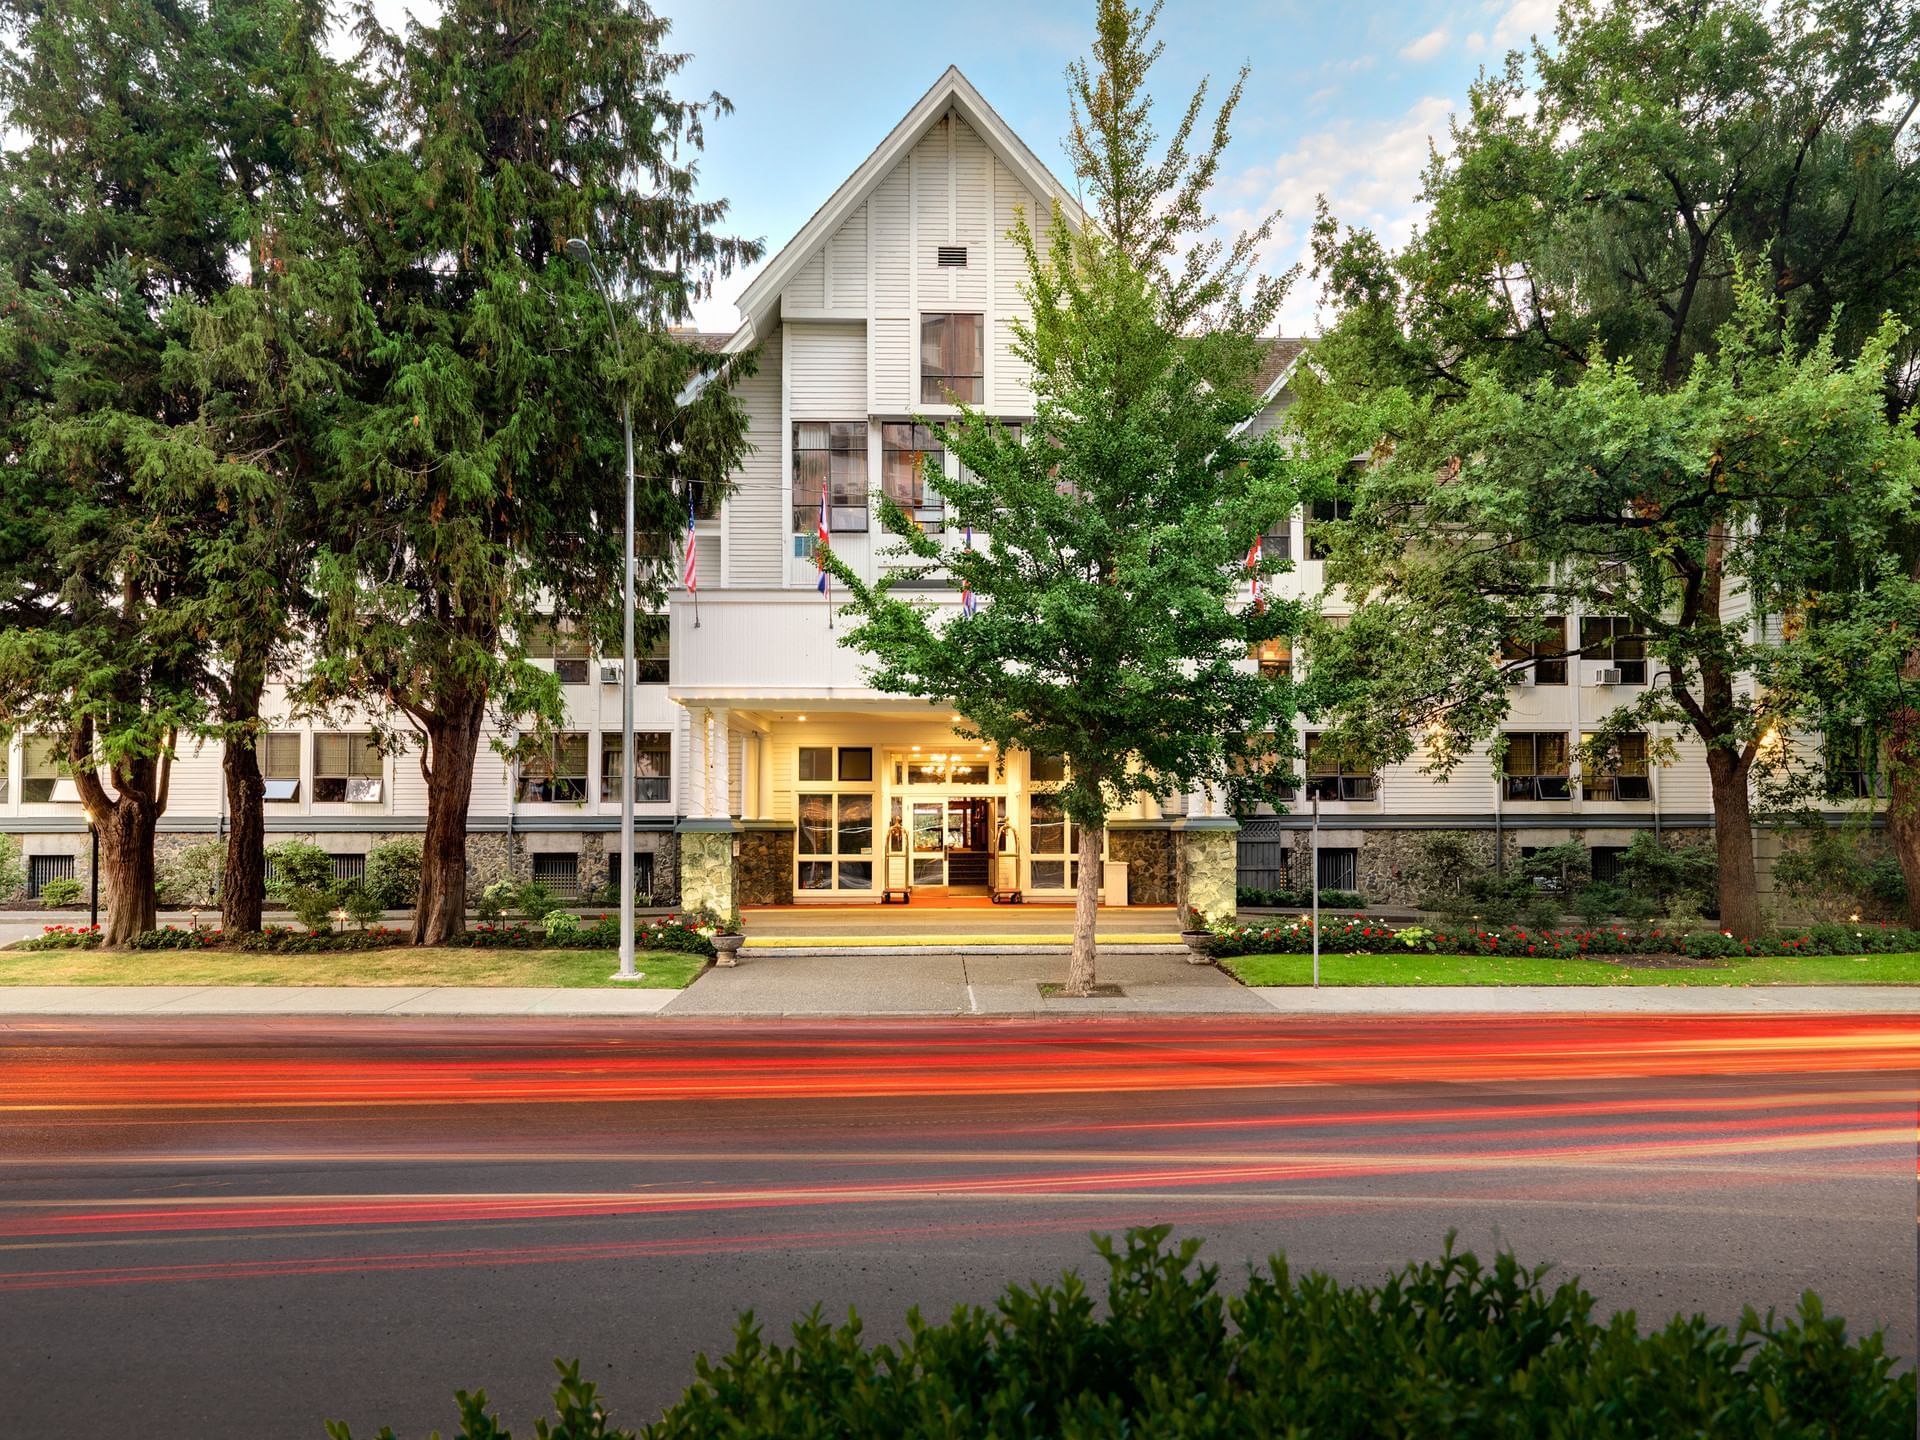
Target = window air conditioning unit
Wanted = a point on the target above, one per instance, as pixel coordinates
(1610, 675)
(610, 673)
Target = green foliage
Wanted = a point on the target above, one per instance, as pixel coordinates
(192, 877)
(1820, 868)
(1673, 874)
(363, 907)
(495, 900)
(1358, 935)
(393, 874)
(172, 937)
(59, 894)
(299, 865)
(560, 925)
(1298, 899)
(1479, 1351)
(61, 937)
(1647, 380)
(705, 917)
(13, 870)
(534, 900)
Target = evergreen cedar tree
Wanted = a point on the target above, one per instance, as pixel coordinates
(1638, 363)
(313, 375)
(138, 550)
(1114, 530)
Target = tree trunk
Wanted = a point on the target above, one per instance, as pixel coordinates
(453, 739)
(1733, 839)
(243, 879)
(126, 862)
(1086, 912)
(1903, 790)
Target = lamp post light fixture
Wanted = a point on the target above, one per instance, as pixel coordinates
(579, 250)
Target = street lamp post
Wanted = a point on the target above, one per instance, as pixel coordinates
(580, 250)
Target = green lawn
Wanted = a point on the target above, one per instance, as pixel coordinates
(396, 965)
(1412, 969)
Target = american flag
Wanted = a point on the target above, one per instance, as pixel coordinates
(689, 571)
(969, 604)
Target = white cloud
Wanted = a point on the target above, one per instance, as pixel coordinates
(718, 312)
(1522, 20)
(1427, 46)
(1370, 174)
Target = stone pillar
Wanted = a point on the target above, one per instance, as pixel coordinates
(708, 865)
(1209, 866)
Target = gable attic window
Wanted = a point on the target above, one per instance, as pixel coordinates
(953, 255)
(952, 360)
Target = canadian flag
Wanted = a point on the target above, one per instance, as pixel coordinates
(1253, 569)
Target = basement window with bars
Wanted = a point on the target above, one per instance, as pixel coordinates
(349, 869)
(560, 873)
(45, 869)
(1339, 869)
(642, 876)
(280, 764)
(346, 767)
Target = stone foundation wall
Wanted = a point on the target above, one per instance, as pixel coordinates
(766, 867)
(1208, 872)
(707, 870)
(1152, 864)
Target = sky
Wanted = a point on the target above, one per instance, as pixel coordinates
(1344, 99)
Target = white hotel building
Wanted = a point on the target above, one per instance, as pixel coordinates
(759, 738)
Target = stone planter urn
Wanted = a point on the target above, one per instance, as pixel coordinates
(1200, 944)
(726, 949)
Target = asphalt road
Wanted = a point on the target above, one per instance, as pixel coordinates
(237, 1228)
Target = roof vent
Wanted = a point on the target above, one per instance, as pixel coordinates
(953, 255)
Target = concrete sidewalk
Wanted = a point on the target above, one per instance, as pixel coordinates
(327, 1000)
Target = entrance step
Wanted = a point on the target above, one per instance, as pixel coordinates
(823, 949)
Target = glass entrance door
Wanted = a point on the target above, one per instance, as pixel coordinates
(929, 836)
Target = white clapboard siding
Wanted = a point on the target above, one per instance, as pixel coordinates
(753, 511)
(807, 290)
(893, 367)
(847, 265)
(1011, 378)
(933, 217)
(972, 216)
(890, 215)
(828, 378)
(195, 783)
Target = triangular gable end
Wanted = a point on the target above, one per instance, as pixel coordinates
(952, 91)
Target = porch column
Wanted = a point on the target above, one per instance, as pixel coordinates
(696, 783)
(720, 766)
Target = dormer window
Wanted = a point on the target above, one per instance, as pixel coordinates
(952, 360)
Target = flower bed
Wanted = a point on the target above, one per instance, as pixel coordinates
(61, 937)
(1356, 934)
(668, 933)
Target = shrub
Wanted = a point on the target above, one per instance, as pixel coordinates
(173, 937)
(61, 937)
(1476, 1350)
(58, 894)
(495, 900)
(13, 873)
(1682, 877)
(298, 865)
(191, 879)
(285, 940)
(534, 900)
(560, 925)
(393, 874)
(1299, 899)
(363, 907)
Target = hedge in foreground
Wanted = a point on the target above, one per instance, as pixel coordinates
(1451, 1348)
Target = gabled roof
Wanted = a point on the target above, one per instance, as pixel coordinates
(1278, 357)
(952, 91)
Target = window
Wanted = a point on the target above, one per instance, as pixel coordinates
(1535, 766)
(1548, 653)
(642, 876)
(1623, 775)
(650, 651)
(1320, 513)
(44, 869)
(1277, 543)
(41, 771)
(1328, 779)
(1274, 657)
(1048, 770)
(834, 839)
(559, 773)
(952, 363)
(655, 783)
(1610, 640)
(280, 764)
(1606, 863)
(567, 650)
(908, 455)
(4, 757)
(1052, 842)
(560, 873)
(1852, 763)
(1339, 869)
(816, 763)
(346, 767)
(349, 869)
(856, 763)
(830, 455)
